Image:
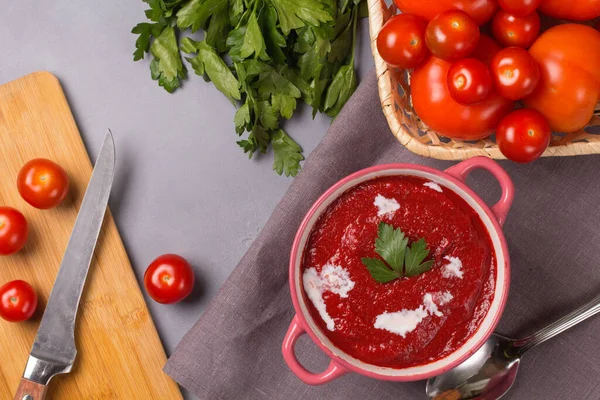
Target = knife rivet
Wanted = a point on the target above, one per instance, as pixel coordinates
(27, 397)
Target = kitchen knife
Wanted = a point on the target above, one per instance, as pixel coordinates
(53, 350)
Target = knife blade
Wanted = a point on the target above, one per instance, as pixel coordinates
(54, 351)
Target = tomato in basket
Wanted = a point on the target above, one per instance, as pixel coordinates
(401, 41)
(439, 111)
(576, 10)
(469, 81)
(480, 10)
(569, 86)
(452, 35)
(523, 135)
(511, 30)
(515, 73)
(519, 8)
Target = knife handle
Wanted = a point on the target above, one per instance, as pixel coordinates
(29, 390)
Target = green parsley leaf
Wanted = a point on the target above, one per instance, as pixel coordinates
(414, 258)
(236, 10)
(288, 153)
(145, 32)
(271, 82)
(247, 40)
(242, 118)
(379, 271)
(274, 40)
(391, 245)
(156, 11)
(168, 85)
(196, 12)
(208, 62)
(218, 28)
(402, 260)
(341, 46)
(284, 104)
(340, 90)
(258, 140)
(267, 115)
(164, 48)
(315, 42)
(294, 14)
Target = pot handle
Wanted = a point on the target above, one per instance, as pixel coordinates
(332, 372)
(461, 170)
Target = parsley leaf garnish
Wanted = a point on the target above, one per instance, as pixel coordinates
(264, 55)
(415, 255)
(402, 260)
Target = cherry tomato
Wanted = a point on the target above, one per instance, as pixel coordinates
(515, 73)
(13, 231)
(43, 183)
(523, 135)
(480, 10)
(169, 279)
(452, 35)
(469, 81)
(486, 49)
(568, 56)
(401, 41)
(511, 30)
(18, 301)
(520, 8)
(576, 10)
(438, 110)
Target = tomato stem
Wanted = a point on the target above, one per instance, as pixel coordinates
(13, 300)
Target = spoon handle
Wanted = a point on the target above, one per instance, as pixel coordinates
(582, 313)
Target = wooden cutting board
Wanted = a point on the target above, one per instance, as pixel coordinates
(120, 355)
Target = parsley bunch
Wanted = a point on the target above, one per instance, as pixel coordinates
(403, 260)
(278, 52)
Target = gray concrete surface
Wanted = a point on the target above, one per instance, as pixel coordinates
(182, 183)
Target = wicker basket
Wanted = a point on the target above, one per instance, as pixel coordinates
(394, 92)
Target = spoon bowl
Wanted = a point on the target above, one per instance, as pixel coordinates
(489, 373)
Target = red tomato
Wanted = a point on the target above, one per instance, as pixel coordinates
(511, 30)
(569, 86)
(577, 10)
(401, 41)
(169, 279)
(438, 110)
(486, 49)
(18, 301)
(523, 135)
(452, 35)
(480, 10)
(469, 81)
(43, 183)
(520, 8)
(13, 231)
(515, 73)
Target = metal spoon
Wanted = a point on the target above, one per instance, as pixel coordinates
(491, 371)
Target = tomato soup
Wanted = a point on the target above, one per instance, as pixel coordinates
(409, 321)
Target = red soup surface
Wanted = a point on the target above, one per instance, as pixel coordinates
(408, 321)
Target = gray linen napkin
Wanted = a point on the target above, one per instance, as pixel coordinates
(234, 350)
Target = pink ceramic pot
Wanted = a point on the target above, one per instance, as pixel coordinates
(492, 217)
